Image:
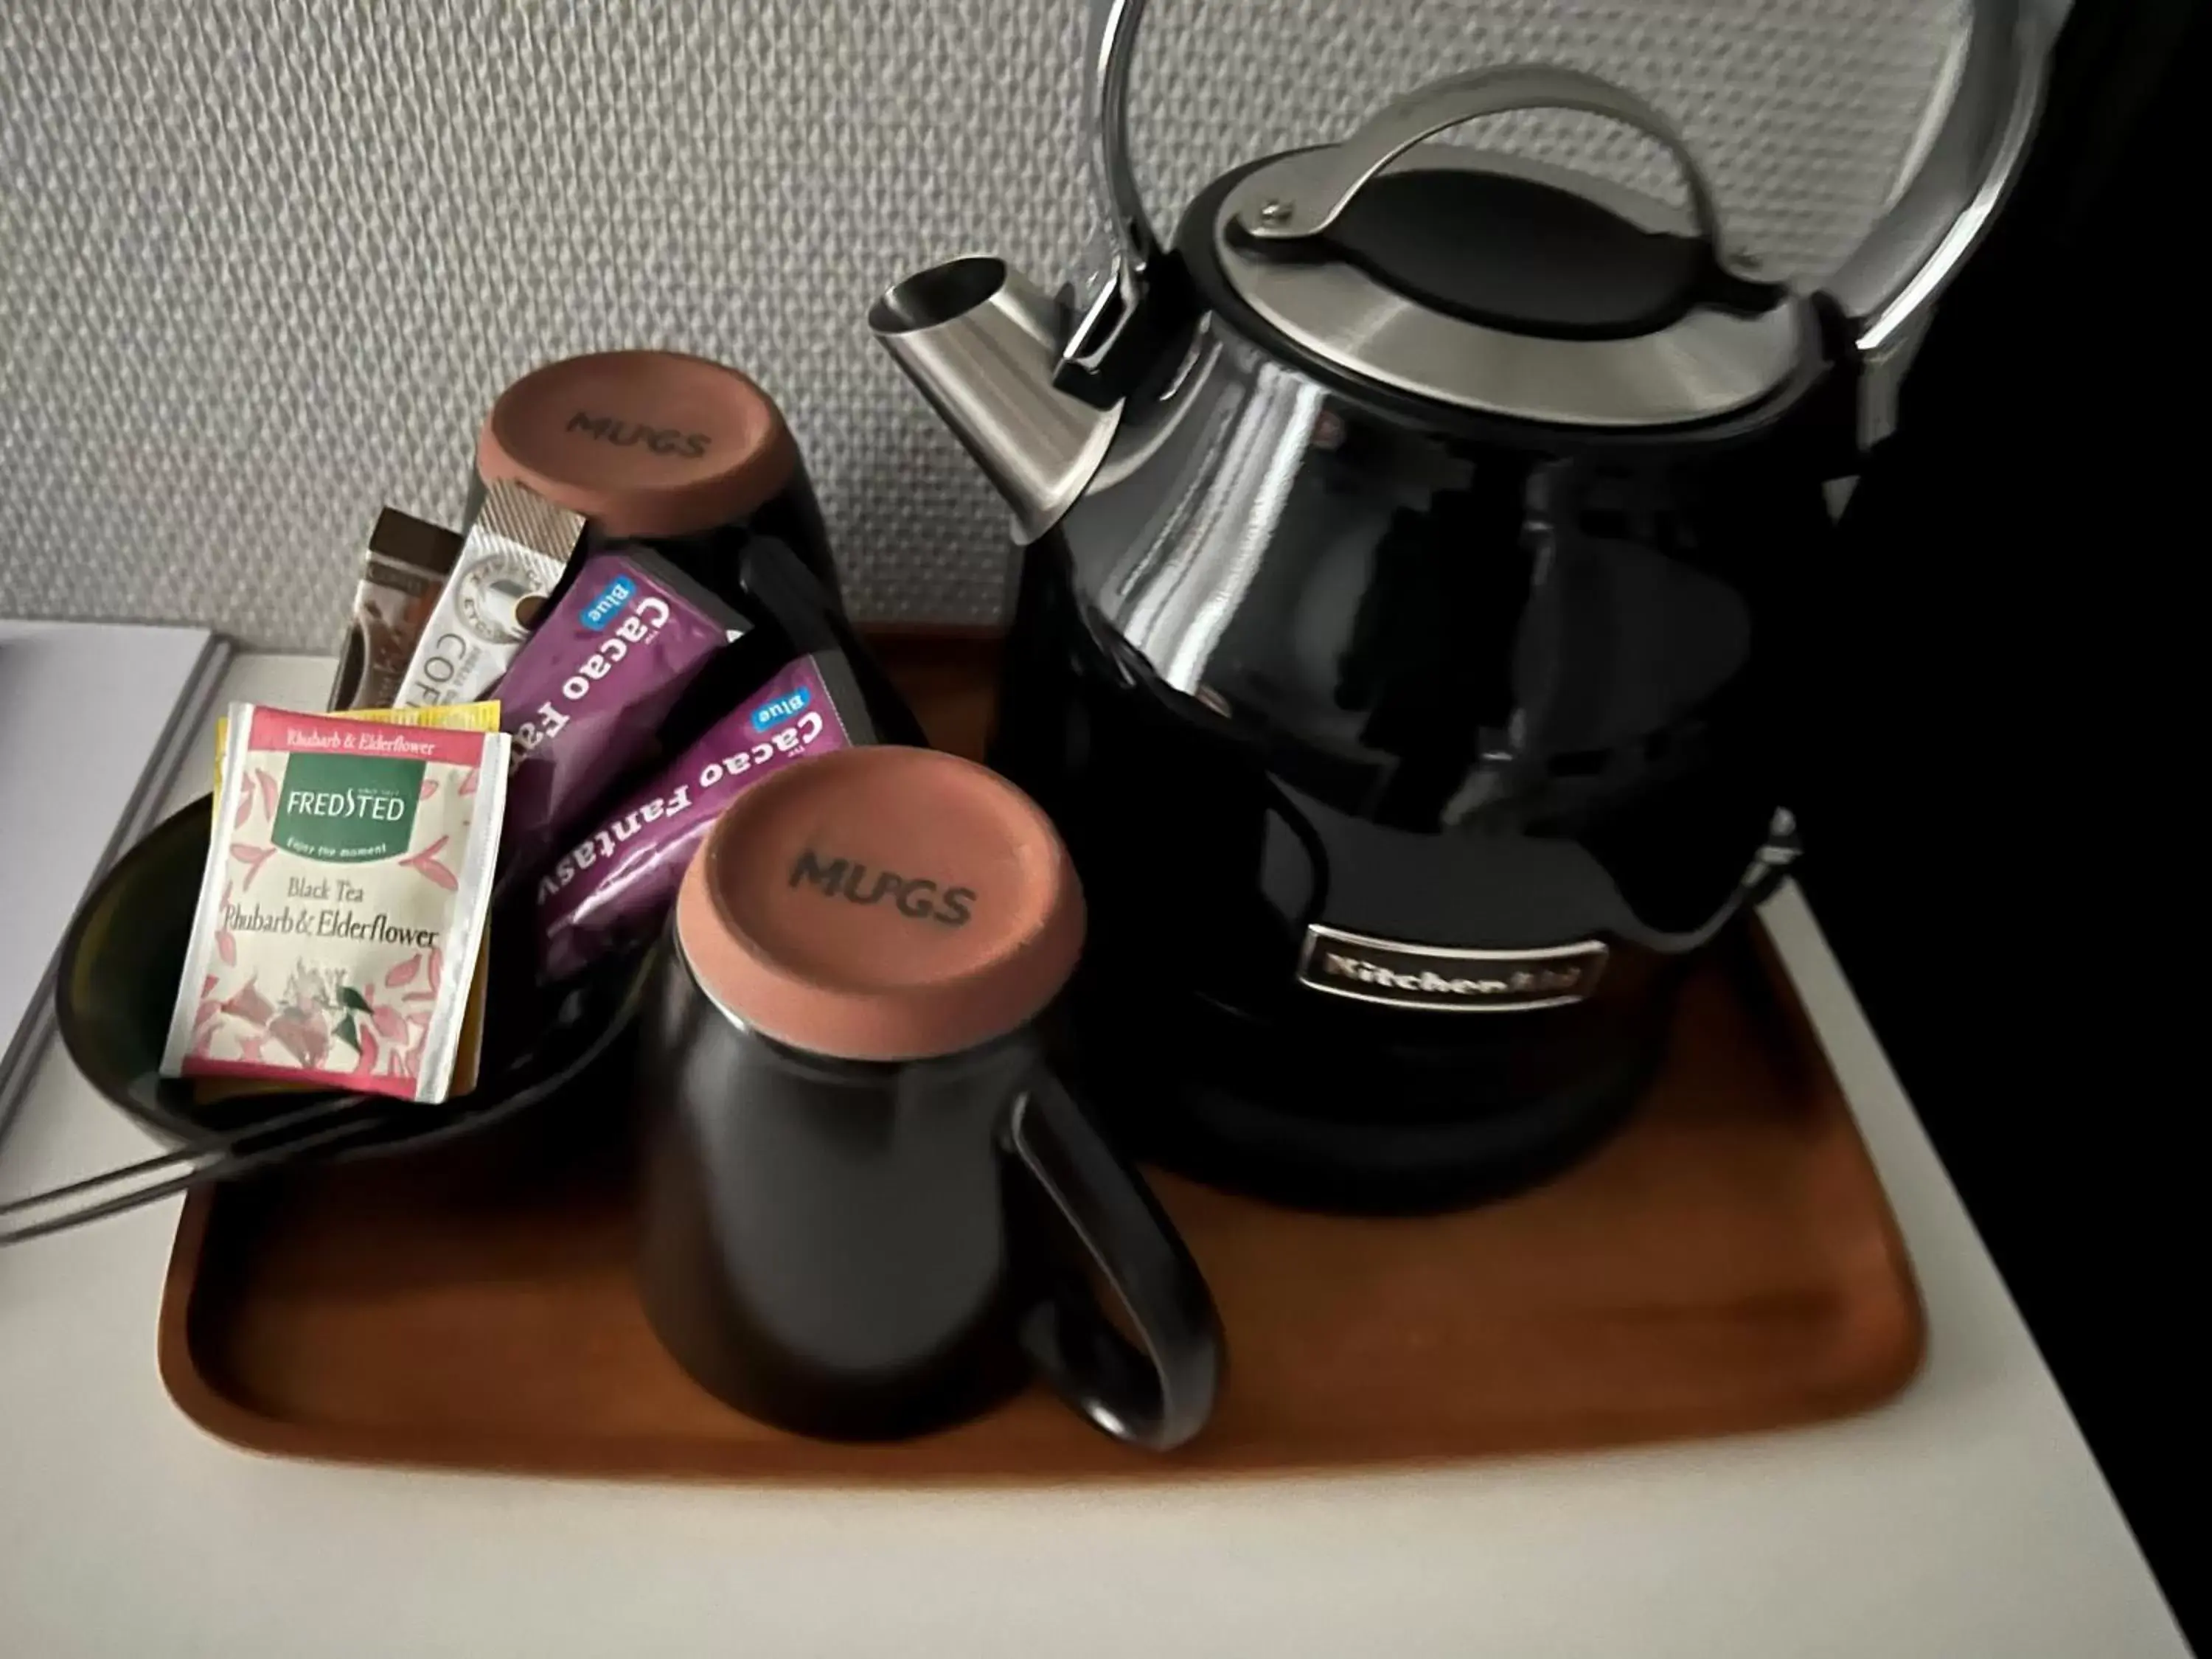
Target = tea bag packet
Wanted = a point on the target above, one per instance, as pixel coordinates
(341, 914)
(616, 882)
(456, 717)
(513, 557)
(593, 684)
(402, 575)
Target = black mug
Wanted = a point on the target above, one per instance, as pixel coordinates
(862, 1179)
(693, 460)
(690, 457)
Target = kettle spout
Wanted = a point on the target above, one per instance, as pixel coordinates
(981, 341)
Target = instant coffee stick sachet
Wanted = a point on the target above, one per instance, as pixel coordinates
(513, 557)
(402, 572)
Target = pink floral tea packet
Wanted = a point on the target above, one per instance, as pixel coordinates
(341, 910)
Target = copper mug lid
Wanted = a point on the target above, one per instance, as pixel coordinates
(882, 904)
(644, 443)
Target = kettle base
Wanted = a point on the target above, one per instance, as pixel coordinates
(1271, 1136)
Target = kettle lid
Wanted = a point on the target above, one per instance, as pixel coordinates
(1497, 284)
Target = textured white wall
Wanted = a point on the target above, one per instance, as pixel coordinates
(262, 266)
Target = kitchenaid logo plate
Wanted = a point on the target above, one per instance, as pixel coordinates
(1402, 976)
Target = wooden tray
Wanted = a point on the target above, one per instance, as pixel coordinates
(1727, 1262)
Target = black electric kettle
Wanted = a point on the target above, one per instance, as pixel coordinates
(1415, 555)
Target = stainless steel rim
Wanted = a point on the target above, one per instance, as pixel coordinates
(1707, 363)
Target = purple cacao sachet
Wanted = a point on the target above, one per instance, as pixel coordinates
(615, 884)
(593, 684)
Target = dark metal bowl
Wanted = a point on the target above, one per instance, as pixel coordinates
(117, 984)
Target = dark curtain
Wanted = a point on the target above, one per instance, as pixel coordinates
(2006, 736)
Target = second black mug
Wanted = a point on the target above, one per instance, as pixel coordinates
(870, 1207)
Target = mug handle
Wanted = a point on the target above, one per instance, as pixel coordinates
(1160, 1397)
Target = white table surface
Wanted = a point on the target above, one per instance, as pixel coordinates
(1966, 1518)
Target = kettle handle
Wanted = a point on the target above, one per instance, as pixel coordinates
(1109, 49)
(1889, 285)
(1108, 282)
(1328, 180)
(1106, 287)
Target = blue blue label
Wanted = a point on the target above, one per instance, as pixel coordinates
(781, 709)
(605, 608)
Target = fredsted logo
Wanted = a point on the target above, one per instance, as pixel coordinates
(660, 440)
(347, 809)
(1440, 978)
(605, 608)
(921, 897)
